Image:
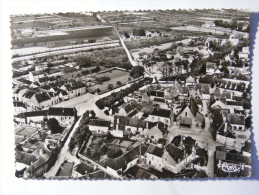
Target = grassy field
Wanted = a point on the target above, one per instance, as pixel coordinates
(115, 75)
(30, 25)
(77, 34)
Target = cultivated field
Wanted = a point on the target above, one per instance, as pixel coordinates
(50, 36)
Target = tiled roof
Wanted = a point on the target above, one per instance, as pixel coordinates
(69, 70)
(43, 79)
(189, 141)
(176, 153)
(161, 112)
(152, 149)
(234, 103)
(198, 101)
(247, 147)
(202, 153)
(127, 121)
(58, 111)
(41, 97)
(194, 107)
(28, 94)
(157, 93)
(138, 173)
(35, 73)
(33, 114)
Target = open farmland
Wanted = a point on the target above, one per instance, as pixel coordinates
(114, 75)
(21, 25)
(89, 33)
(200, 29)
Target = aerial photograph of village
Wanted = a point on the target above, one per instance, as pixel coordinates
(145, 94)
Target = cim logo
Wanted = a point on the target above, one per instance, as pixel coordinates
(230, 167)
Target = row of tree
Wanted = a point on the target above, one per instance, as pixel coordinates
(82, 130)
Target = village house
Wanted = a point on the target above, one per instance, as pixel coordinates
(35, 75)
(156, 94)
(233, 40)
(235, 106)
(203, 90)
(18, 93)
(19, 107)
(34, 85)
(65, 116)
(41, 67)
(98, 126)
(137, 172)
(63, 95)
(190, 81)
(69, 72)
(156, 131)
(129, 126)
(184, 151)
(218, 103)
(41, 100)
(211, 68)
(74, 89)
(154, 157)
(31, 118)
(128, 109)
(160, 115)
(44, 161)
(190, 116)
(226, 137)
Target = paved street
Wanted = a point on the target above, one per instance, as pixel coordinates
(64, 155)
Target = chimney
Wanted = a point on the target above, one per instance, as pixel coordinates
(117, 124)
(181, 142)
(41, 152)
(194, 150)
(139, 151)
(226, 127)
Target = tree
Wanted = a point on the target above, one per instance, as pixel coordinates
(72, 144)
(139, 32)
(110, 86)
(126, 35)
(98, 90)
(137, 71)
(203, 69)
(118, 83)
(114, 152)
(92, 114)
(54, 126)
(248, 122)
